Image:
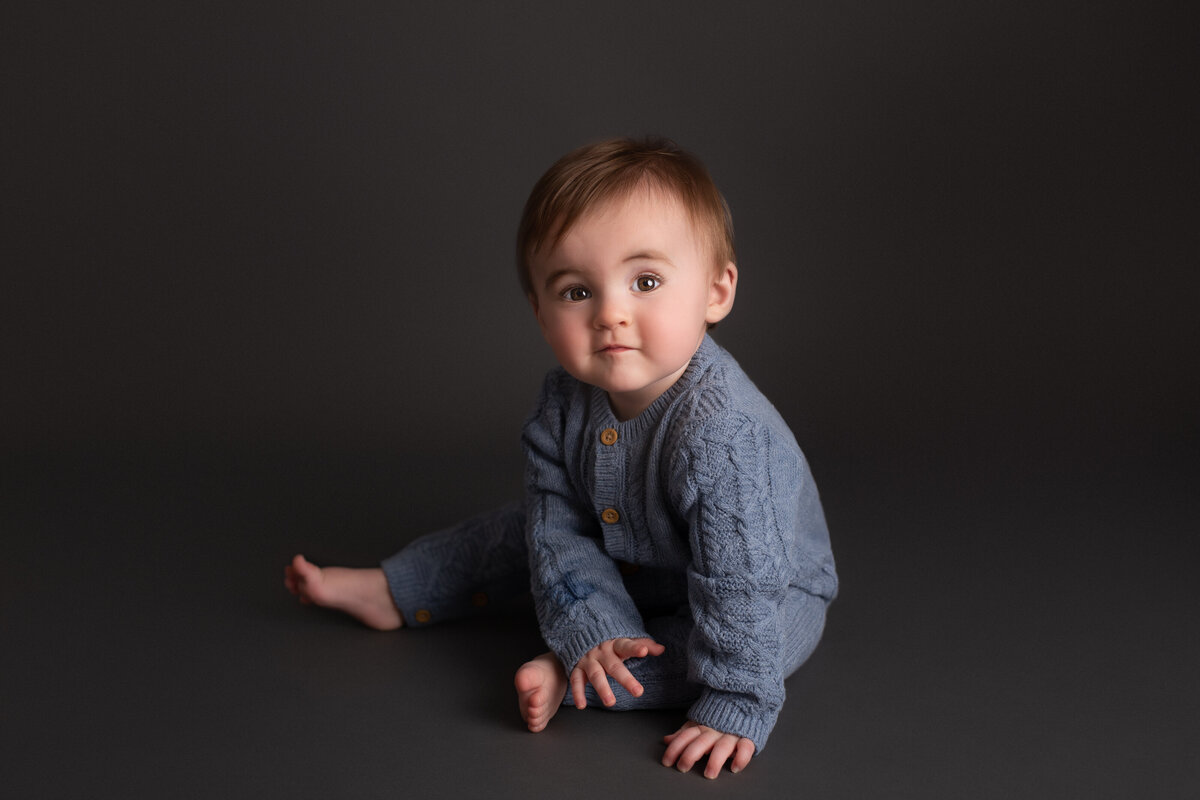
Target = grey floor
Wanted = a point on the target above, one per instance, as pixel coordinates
(1028, 632)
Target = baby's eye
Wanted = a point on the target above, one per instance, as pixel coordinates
(647, 283)
(575, 294)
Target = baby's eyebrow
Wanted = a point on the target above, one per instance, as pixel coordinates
(648, 255)
(553, 277)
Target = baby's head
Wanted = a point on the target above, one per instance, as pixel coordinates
(625, 252)
(596, 175)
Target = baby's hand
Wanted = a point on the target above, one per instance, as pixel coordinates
(690, 743)
(608, 658)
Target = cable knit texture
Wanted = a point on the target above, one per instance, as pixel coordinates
(707, 486)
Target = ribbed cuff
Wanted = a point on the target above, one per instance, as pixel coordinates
(720, 712)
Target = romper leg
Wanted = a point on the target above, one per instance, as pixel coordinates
(454, 572)
(803, 617)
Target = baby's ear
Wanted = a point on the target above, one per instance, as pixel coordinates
(721, 293)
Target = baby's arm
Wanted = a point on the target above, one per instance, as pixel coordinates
(755, 536)
(579, 594)
(605, 660)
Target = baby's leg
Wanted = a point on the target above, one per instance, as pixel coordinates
(541, 686)
(361, 593)
(460, 570)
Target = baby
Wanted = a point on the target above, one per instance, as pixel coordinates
(671, 532)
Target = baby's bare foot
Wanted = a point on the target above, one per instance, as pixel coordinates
(361, 593)
(541, 686)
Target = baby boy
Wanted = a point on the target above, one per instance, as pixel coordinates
(671, 532)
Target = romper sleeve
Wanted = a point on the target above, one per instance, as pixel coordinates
(743, 497)
(578, 591)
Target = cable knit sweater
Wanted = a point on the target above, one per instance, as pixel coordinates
(707, 490)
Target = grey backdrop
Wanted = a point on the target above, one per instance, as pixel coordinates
(258, 297)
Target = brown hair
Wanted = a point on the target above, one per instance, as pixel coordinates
(586, 178)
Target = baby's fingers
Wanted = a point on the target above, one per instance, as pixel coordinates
(722, 749)
(677, 742)
(744, 752)
(637, 648)
(621, 674)
(699, 747)
(597, 675)
(578, 685)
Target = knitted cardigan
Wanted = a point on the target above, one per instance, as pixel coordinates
(707, 485)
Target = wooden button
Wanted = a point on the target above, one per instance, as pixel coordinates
(608, 436)
(610, 516)
(479, 599)
(422, 616)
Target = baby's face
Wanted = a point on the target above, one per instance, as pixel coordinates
(626, 296)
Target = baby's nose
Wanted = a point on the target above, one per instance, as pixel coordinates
(611, 313)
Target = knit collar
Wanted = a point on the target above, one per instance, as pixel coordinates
(705, 354)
